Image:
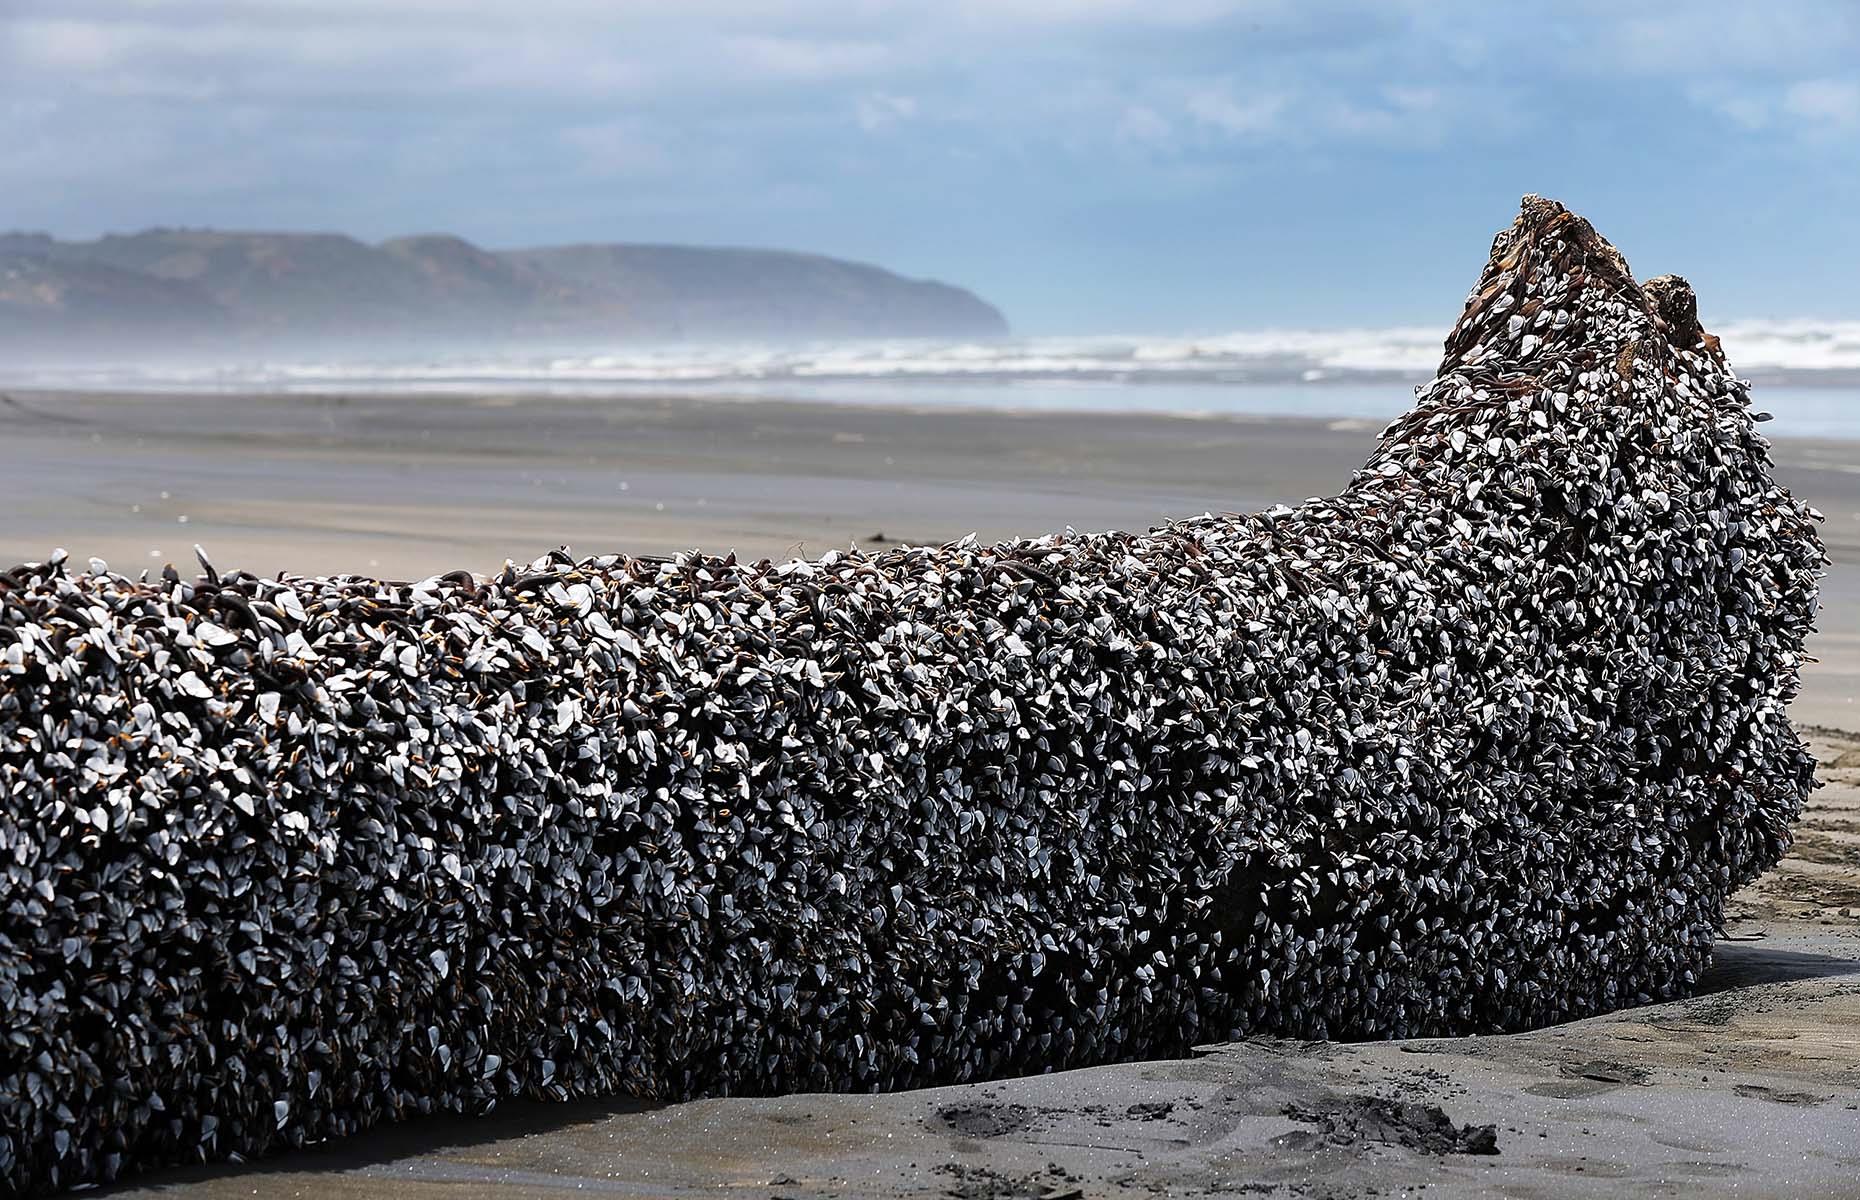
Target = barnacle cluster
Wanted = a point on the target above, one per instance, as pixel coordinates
(1480, 743)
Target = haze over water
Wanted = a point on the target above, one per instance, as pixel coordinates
(1807, 373)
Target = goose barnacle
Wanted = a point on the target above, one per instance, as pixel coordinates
(1482, 742)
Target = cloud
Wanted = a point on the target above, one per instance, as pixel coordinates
(618, 147)
(1811, 108)
(1782, 64)
(1215, 105)
(1312, 115)
(1746, 110)
(1171, 13)
(1721, 38)
(875, 110)
(1824, 101)
(282, 49)
(69, 45)
(806, 59)
(1144, 126)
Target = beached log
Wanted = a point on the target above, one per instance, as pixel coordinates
(1480, 743)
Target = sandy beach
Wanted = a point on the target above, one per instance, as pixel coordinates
(1752, 1087)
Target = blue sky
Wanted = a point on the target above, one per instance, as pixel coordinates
(1089, 165)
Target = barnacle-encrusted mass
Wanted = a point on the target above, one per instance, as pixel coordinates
(1480, 743)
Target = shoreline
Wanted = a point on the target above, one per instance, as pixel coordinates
(1371, 400)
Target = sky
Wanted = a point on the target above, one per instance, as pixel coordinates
(1180, 166)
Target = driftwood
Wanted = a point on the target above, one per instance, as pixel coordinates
(1481, 743)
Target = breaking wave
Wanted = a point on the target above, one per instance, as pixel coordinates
(1337, 372)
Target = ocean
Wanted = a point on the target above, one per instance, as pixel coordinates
(1807, 373)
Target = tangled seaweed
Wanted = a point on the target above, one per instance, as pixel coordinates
(1481, 743)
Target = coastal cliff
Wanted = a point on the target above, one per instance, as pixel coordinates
(127, 290)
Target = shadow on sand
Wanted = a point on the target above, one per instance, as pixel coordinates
(397, 1142)
(1741, 964)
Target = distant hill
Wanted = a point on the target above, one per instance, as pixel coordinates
(175, 286)
(698, 291)
(43, 297)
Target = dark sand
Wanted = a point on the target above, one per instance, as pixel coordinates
(414, 485)
(1752, 1088)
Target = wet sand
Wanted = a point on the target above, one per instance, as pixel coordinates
(1751, 1088)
